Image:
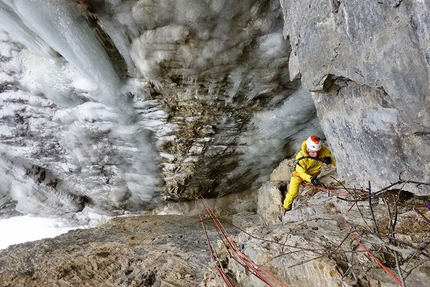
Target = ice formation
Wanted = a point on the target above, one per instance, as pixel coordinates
(119, 106)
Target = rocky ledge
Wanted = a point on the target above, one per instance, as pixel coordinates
(128, 251)
(332, 237)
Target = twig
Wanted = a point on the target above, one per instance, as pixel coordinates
(392, 237)
(372, 256)
(375, 225)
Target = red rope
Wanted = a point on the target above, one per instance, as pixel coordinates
(244, 260)
(221, 272)
(240, 257)
(334, 190)
(371, 255)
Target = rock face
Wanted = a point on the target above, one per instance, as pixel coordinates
(133, 251)
(125, 103)
(329, 241)
(320, 242)
(367, 65)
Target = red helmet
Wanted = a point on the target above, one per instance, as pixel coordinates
(313, 143)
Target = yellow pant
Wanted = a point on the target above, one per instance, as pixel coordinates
(293, 191)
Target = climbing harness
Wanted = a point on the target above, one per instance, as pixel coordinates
(297, 162)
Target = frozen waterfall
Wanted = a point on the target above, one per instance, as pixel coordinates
(82, 116)
(56, 24)
(122, 106)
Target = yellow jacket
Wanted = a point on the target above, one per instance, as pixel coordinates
(307, 167)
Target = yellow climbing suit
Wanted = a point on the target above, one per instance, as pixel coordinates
(305, 169)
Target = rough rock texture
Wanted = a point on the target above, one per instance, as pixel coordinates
(270, 206)
(132, 251)
(367, 65)
(308, 246)
(207, 97)
(125, 103)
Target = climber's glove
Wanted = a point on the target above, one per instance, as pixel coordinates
(315, 181)
(326, 160)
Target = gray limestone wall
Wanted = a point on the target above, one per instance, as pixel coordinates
(367, 65)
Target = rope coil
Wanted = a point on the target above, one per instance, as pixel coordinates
(236, 254)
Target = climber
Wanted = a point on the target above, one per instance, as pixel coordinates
(308, 164)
